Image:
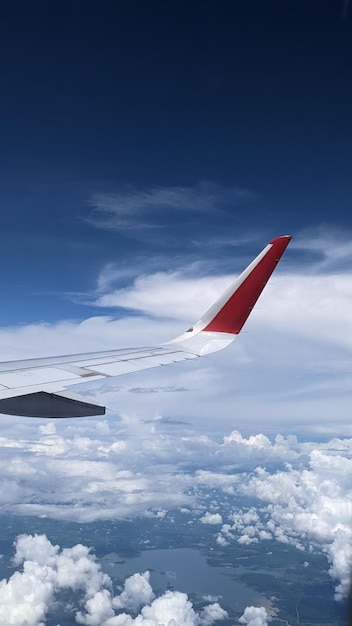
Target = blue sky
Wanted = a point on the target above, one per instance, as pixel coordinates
(149, 150)
(242, 110)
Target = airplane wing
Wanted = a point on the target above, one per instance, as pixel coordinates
(41, 387)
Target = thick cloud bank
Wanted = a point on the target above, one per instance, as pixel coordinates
(33, 592)
(309, 506)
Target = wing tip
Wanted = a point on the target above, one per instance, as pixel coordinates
(282, 238)
(236, 306)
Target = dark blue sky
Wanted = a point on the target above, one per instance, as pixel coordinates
(154, 134)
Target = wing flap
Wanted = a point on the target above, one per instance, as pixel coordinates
(127, 366)
(26, 378)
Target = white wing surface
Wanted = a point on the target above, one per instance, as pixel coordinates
(41, 387)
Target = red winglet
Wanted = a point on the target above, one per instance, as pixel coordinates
(247, 289)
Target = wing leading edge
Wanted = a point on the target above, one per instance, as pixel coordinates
(41, 387)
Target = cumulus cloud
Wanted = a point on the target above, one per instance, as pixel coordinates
(309, 508)
(212, 613)
(28, 594)
(254, 616)
(47, 429)
(173, 607)
(211, 518)
(137, 591)
(33, 592)
(257, 441)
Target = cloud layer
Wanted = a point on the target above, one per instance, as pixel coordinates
(300, 491)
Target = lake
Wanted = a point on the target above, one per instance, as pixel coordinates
(187, 570)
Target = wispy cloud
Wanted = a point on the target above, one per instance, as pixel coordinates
(330, 248)
(345, 9)
(142, 209)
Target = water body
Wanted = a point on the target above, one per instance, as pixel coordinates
(185, 569)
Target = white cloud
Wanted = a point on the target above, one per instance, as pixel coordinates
(307, 507)
(211, 518)
(33, 591)
(257, 441)
(137, 591)
(98, 610)
(340, 556)
(168, 294)
(28, 594)
(212, 613)
(173, 608)
(254, 616)
(47, 429)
